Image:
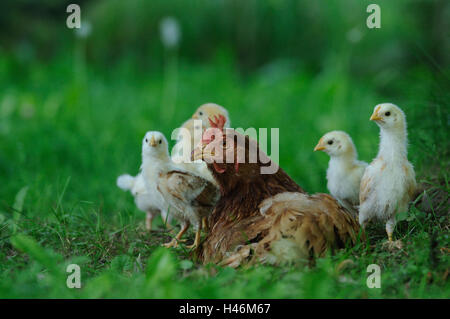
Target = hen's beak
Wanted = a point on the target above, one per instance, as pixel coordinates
(153, 141)
(319, 146)
(375, 116)
(197, 153)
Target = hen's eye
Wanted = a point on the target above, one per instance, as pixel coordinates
(330, 142)
(160, 141)
(387, 113)
(200, 113)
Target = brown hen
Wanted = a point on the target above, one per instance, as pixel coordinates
(265, 218)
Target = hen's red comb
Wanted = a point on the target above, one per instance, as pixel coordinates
(219, 122)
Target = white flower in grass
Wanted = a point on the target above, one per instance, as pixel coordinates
(354, 35)
(169, 29)
(27, 110)
(85, 30)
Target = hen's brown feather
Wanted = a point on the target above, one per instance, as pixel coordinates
(247, 196)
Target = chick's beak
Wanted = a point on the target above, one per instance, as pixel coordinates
(319, 146)
(153, 141)
(375, 116)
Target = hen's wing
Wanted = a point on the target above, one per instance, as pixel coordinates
(295, 227)
(186, 191)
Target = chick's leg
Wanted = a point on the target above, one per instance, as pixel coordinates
(392, 244)
(174, 242)
(205, 224)
(148, 221)
(390, 225)
(182, 231)
(197, 237)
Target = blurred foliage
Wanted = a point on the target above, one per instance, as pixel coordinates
(254, 32)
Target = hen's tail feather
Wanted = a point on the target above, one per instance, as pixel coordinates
(125, 182)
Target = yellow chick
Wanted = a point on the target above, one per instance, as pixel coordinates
(344, 171)
(389, 182)
(196, 129)
(209, 110)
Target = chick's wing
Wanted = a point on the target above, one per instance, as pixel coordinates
(411, 184)
(365, 188)
(188, 189)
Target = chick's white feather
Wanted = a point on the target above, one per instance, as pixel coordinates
(344, 171)
(125, 182)
(389, 182)
(145, 199)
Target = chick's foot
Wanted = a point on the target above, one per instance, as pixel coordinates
(174, 243)
(393, 245)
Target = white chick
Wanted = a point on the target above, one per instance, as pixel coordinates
(191, 197)
(344, 171)
(150, 203)
(389, 182)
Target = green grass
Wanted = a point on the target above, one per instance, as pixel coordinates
(67, 132)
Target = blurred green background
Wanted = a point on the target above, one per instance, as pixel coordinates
(74, 105)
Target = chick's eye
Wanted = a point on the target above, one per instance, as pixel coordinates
(330, 142)
(160, 141)
(146, 140)
(200, 113)
(387, 113)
